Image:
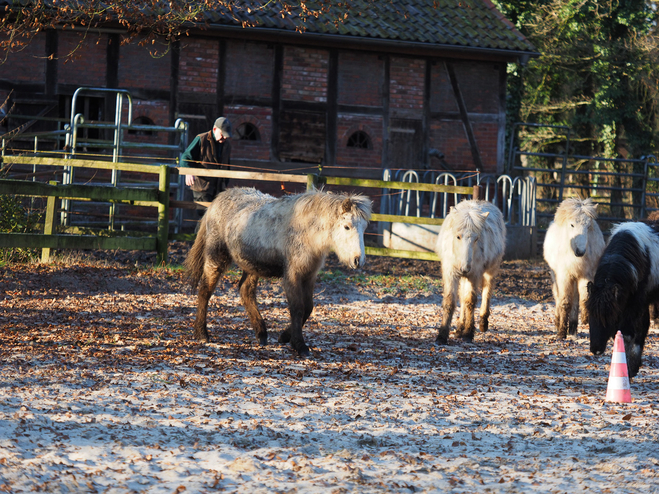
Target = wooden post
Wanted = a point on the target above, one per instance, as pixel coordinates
(49, 224)
(478, 192)
(314, 181)
(162, 236)
(311, 181)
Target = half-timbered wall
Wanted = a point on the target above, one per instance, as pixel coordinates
(357, 110)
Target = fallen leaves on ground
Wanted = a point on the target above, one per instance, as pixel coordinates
(102, 389)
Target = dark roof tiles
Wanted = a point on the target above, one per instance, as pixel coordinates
(465, 23)
(474, 24)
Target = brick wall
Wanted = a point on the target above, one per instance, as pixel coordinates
(87, 62)
(198, 66)
(158, 113)
(139, 70)
(478, 82)
(449, 137)
(479, 85)
(406, 87)
(442, 98)
(305, 74)
(261, 118)
(27, 65)
(250, 68)
(487, 137)
(359, 158)
(360, 79)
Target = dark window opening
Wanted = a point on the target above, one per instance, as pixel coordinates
(248, 132)
(141, 132)
(359, 140)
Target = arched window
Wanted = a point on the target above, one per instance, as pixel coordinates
(248, 132)
(141, 132)
(359, 140)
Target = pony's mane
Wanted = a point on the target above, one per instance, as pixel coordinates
(468, 218)
(321, 203)
(573, 208)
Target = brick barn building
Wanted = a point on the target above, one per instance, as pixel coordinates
(396, 86)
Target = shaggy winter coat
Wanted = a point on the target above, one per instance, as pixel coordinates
(572, 248)
(471, 245)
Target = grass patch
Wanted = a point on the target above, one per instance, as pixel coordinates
(383, 282)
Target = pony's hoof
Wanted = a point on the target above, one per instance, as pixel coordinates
(303, 350)
(441, 340)
(263, 341)
(484, 326)
(467, 338)
(284, 337)
(202, 338)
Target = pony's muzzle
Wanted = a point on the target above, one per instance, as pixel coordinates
(357, 262)
(579, 252)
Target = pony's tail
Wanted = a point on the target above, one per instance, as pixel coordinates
(194, 263)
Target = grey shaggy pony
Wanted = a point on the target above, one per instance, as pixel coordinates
(471, 245)
(287, 237)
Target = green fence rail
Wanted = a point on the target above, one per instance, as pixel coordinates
(159, 198)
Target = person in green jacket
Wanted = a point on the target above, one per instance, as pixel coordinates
(210, 150)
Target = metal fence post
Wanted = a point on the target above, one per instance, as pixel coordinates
(162, 236)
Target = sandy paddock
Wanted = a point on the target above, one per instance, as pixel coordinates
(101, 390)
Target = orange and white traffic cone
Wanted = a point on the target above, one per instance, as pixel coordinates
(618, 390)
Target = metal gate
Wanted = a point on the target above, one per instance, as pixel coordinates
(624, 189)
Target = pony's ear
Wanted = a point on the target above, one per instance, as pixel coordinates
(347, 205)
(589, 288)
(485, 214)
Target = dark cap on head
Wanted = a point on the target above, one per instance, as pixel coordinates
(224, 125)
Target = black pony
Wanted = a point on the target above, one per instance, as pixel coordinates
(626, 283)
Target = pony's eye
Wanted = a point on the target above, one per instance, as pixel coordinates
(347, 227)
(458, 237)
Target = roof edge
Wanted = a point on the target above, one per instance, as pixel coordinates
(370, 44)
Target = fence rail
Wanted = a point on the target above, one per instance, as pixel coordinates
(159, 197)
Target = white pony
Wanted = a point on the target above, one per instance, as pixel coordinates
(471, 245)
(573, 247)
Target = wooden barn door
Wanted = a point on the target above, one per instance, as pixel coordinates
(405, 143)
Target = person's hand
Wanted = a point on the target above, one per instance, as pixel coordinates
(189, 180)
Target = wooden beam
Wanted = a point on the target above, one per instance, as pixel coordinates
(406, 254)
(163, 215)
(40, 241)
(268, 177)
(221, 78)
(78, 163)
(331, 140)
(276, 100)
(414, 220)
(49, 225)
(146, 197)
(381, 184)
(475, 153)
